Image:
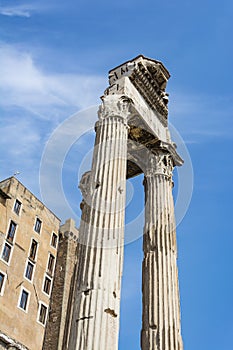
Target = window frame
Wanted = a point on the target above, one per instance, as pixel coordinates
(11, 252)
(20, 207)
(8, 231)
(28, 261)
(46, 276)
(37, 245)
(54, 246)
(2, 287)
(35, 225)
(38, 313)
(51, 273)
(28, 299)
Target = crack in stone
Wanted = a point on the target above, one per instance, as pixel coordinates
(84, 318)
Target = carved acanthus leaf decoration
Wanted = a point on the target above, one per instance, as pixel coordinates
(114, 106)
(160, 163)
(85, 186)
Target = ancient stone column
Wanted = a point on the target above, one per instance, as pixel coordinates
(101, 237)
(161, 307)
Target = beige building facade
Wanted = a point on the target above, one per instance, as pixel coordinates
(28, 250)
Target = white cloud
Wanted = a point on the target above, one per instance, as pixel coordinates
(54, 96)
(21, 143)
(18, 134)
(23, 10)
(24, 84)
(33, 103)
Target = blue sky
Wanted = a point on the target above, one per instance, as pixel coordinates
(54, 59)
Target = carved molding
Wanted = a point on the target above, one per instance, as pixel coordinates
(157, 160)
(114, 106)
(150, 78)
(153, 92)
(171, 148)
(160, 163)
(85, 186)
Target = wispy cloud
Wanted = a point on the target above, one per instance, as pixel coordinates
(24, 84)
(57, 95)
(21, 141)
(23, 10)
(32, 103)
(23, 133)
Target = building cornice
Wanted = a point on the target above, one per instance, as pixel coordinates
(150, 79)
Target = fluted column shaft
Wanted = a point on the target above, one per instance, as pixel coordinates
(161, 307)
(97, 305)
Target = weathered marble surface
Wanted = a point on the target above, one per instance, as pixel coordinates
(132, 136)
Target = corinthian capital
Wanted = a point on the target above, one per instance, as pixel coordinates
(85, 186)
(114, 106)
(160, 163)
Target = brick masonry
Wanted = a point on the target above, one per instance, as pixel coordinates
(59, 321)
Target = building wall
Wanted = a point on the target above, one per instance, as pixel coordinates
(59, 322)
(22, 325)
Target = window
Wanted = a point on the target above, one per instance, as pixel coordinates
(11, 231)
(29, 271)
(51, 262)
(17, 206)
(2, 281)
(37, 227)
(23, 304)
(54, 240)
(47, 285)
(42, 313)
(33, 250)
(6, 252)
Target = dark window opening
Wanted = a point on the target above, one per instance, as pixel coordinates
(33, 250)
(2, 278)
(29, 270)
(6, 252)
(11, 232)
(42, 314)
(54, 240)
(17, 207)
(24, 300)
(37, 227)
(47, 285)
(51, 264)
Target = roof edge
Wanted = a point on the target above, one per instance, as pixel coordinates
(13, 177)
